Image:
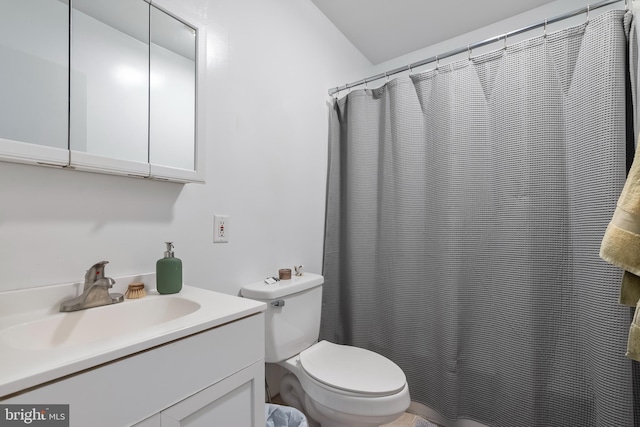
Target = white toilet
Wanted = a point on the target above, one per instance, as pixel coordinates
(334, 385)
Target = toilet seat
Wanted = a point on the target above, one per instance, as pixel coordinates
(352, 369)
(360, 394)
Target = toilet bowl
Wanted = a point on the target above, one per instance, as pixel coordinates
(345, 386)
(334, 385)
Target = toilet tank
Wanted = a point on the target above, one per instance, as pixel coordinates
(292, 321)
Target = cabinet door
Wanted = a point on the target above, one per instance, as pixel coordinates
(34, 100)
(177, 65)
(109, 129)
(236, 401)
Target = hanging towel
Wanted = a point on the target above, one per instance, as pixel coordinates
(630, 289)
(621, 247)
(621, 242)
(633, 342)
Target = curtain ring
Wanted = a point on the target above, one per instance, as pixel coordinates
(365, 83)
(469, 51)
(437, 63)
(588, 10)
(505, 41)
(545, 28)
(386, 76)
(410, 70)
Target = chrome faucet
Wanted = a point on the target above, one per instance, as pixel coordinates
(96, 291)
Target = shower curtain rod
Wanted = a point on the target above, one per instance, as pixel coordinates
(472, 46)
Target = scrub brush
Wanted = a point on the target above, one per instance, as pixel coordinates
(135, 290)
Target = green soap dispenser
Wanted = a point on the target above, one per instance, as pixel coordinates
(169, 272)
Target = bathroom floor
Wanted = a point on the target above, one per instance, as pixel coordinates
(410, 420)
(406, 420)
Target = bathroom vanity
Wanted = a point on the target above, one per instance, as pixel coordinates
(170, 360)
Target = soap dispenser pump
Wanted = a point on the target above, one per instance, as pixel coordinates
(169, 272)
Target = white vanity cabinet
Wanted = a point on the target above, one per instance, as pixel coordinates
(231, 402)
(211, 378)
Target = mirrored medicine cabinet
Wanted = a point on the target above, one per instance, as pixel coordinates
(102, 86)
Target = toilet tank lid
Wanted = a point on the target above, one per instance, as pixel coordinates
(263, 291)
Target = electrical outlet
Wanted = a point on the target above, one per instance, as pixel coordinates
(220, 228)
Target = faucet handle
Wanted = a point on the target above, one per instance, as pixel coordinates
(96, 272)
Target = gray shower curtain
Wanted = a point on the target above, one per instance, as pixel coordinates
(465, 210)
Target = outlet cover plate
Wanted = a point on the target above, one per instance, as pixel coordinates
(220, 228)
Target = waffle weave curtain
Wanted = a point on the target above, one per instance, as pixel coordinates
(465, 210)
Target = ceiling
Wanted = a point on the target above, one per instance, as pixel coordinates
(385, 29)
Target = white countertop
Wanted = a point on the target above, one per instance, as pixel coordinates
(24, 366)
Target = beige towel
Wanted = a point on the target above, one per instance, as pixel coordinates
(621, 247)
(621, 241)
(633, 342)
(630, 289)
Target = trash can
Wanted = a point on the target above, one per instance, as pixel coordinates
(283, 416)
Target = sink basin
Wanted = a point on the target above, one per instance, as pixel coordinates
(96, 324)
(39, 344)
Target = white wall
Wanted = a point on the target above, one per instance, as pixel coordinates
(270, 63)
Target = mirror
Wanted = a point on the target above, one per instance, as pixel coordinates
(34, 77)
(117, 94)
(172, 95)
(110, 79)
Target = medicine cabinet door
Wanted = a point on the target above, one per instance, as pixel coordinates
(34, 104)
(110, 86)
(176, 61)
